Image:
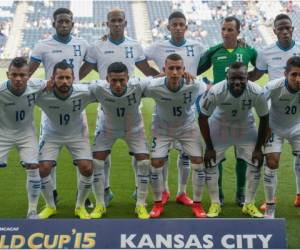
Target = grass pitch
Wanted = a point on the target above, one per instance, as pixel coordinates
(14, 198)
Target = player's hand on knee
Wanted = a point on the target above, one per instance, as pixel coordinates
(209, 156)
(257, 157)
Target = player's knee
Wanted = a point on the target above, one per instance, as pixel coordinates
(272, 161)
(196, 160)
(157, 163)
(45, 168)
(143, 166)
(141, 157)
(101, 155)
(32, 166)
(85, 167)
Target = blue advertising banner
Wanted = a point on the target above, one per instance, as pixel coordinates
(143, 234)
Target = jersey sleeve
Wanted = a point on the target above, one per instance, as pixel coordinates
(90, 56)
(267, 92)
(261, 105)
(149, 52)
(208, 103)
(202, 87)
(144, 82)
(140, 54)
(261, 63)
(37, 53)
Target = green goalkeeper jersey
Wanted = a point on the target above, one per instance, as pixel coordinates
(220, 58)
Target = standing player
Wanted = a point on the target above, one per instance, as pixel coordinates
(174, 119)
(284, 94)
(272, 60)
(64, 126)
(220, 57)
(190, 51)
(226, 120)
(17, 101)
(61, 46)
(120, 118)
(117, 48)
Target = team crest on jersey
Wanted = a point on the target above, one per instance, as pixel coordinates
(31, 99)
(76, 105)
(239, 57)
(131, 99)
(77, 50)
(129, 52)
(187, 97)
(190, 50)
(246, 104)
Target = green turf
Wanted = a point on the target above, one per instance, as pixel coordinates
(14, 198)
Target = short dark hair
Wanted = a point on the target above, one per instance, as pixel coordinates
(62, 11)
(235, 19)
(237, 65)
(117, 67)
(176, 14)
(174, 57)
(18, 62)
(62, 65)
(293, 61)
(281, 17)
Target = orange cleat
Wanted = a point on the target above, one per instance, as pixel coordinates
(157, 209)
(198, 210)
(263, 206)
(165, 197)
(184, 199)
(297, 200)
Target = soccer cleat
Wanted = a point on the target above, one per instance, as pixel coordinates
(32, 215)
(157, 209)
(47, 212)
(184, 199)
(81, 213)
(270, 211)
(252, 210)
(108, 196)
(165, 197)
(297, 200)
(264, 205)
(141, 212)
(55, 196)
(198, 210)
(214, 210)
(240, 200)
(88, 204)
(98, 211)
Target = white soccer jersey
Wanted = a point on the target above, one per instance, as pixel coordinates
(104, 53)
(16, 112)
(120, 112)
(232, 111)
(285, 105)
(65, 117)
(50, 51)
(273, 58)
(174, 109)
(190, 51)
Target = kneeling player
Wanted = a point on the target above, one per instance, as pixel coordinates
(17, 101)
(284, 94)
(120, 117)
(231, 123)
(64, 126)
(174, 119)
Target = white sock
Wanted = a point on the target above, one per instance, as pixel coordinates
(47, 191)
(33, 184)
(135, 169)
(53, 177)
(212, 176)
(165, 174)
(297, 172)
(84, 188)
(252, 181)
(107, 171)
(157, 183)
(198, 181)
(143, 173)
(270, 183)
(98, 181)
(183, 165)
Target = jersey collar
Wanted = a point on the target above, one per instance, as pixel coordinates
(61, 39)
(288, 88)
(60, 97)
(9, 87)
(177, 44)
(116, 42)
(285, 49)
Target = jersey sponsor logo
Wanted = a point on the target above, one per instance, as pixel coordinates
(221, 58)
(190, 50)
(277, 58)
(109, 100)
(226, 103)
(129, 52)
(56, 51)
(166, 99)
(9, 104)
(53, 107)
(109, 52)
(284, 100)
(170, 51)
